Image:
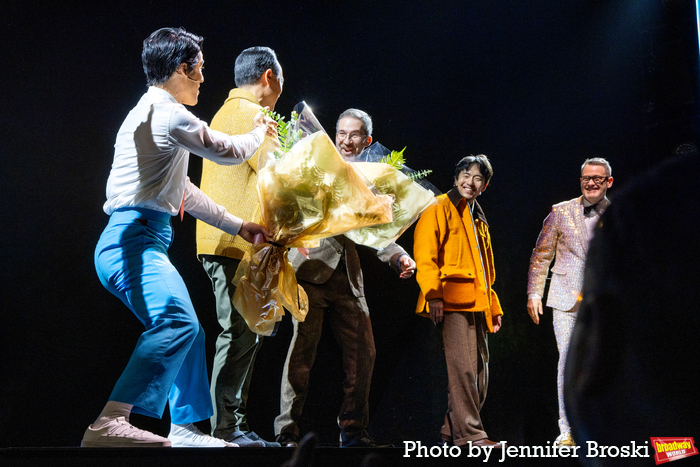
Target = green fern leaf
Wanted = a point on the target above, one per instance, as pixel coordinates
(420, 174)
(396, 159)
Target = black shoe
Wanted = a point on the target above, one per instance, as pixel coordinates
(243, 441)
(361, 440)
(254, 437)
(287, 440)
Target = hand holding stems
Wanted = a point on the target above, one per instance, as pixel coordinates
(250, 229)
(534, 307)
(270, 125)
(408, 266)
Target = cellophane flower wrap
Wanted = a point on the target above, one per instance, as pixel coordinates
(411, 196)
(306, 192)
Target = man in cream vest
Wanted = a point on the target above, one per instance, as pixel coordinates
(564, 237)
(332, 278)
(259, 83)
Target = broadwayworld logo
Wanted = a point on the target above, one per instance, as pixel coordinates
(671, 449)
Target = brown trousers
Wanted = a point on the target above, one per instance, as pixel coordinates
(352, 329)
(467, 355)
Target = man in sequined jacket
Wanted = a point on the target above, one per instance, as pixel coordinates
(564, 237)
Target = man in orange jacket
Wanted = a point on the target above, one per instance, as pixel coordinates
(455, 272)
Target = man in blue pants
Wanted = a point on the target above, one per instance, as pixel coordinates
(147, 185)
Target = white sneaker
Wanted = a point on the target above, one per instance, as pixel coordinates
(119, 433)
(189, 436)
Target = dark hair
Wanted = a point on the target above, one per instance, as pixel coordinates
(253, 62)
(165, 50)
(481, 160)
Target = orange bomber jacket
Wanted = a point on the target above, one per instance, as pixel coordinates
(447, 259)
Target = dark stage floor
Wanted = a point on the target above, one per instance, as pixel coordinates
(272, 457)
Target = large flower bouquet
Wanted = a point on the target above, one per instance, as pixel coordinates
(386, 173)
(306, 192)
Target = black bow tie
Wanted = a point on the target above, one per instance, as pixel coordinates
(588, 209)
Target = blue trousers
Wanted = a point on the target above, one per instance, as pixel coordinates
(169, 361)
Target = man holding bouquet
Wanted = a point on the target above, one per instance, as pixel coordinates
(259, 83)
(331, 275)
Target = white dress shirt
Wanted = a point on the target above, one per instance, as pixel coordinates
(152, 154)
(591, 219)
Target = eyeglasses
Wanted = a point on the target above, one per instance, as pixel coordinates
(597, 179)
(341, 135)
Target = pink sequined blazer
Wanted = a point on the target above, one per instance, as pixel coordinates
(563, 238)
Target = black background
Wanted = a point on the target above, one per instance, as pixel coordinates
(538, 86)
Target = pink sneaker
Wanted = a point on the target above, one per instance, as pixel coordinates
(119, 433)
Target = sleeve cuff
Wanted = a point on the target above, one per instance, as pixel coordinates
(398, 261)
(259, 133)
(231, 224)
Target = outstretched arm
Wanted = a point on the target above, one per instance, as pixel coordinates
(202, 207)
(195, 135)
